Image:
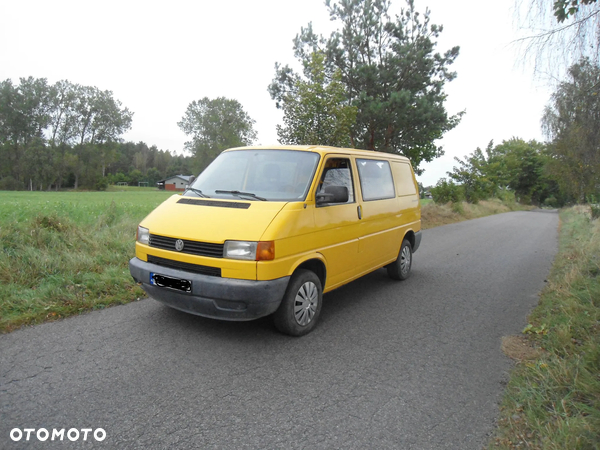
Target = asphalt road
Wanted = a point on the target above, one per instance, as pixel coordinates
(398, 365)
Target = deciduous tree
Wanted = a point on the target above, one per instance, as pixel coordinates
(315, 110)
(215, 125)
(559, 33)
(572, 122)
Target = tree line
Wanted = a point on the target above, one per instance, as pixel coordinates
(565, 169)
(375, 83)
(66, 135)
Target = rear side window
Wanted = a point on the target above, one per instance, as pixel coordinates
(376, 180)
(405, 183)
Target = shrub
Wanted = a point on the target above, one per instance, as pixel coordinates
(10, 184)
(551, 202)
(446, 191)
(101, 184)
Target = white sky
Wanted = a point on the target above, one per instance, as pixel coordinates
(157, 57)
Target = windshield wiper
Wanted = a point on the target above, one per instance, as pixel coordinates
(197, 192)
(239, 194)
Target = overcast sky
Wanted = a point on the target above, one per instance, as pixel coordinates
(157, 57)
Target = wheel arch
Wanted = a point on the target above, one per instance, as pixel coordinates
(410, 236)
(314, 263)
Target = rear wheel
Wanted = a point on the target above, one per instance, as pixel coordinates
(400, 269)
(301, 305)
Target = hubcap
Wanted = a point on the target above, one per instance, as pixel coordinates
(405, 260)
(305, 306)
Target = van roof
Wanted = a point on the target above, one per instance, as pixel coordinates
(324, 149)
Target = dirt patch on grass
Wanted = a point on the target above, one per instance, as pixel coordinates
(520, 348)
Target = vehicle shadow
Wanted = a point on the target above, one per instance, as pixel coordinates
(348, 302)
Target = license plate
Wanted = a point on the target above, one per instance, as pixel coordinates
(170, 282)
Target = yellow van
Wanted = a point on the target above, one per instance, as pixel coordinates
(269, 230)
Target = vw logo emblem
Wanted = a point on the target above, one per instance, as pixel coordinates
(178, 245)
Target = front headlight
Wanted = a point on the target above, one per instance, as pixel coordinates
(240, 250)
(143, 235)
(250, 251)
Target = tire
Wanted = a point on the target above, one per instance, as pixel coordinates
(400, 269)
(301, 305)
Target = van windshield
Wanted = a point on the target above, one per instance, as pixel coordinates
(261, 175)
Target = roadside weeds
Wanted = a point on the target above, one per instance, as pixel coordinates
(434, 215)
(552, 400)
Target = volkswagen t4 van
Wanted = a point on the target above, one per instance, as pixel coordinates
(268, 230)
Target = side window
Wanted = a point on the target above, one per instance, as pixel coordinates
(337, 172)
(375, 179)
(404, 179)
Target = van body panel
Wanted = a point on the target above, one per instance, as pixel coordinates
(271, 270)
(336, 236)
(209, 223)
(380, 232)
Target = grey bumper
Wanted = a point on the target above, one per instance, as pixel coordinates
(215, 297)
(417, 241)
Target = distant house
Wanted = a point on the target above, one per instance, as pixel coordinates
(174, 183)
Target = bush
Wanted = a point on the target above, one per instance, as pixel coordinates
(551, 202)
(101, 184)
(446, 191)
(10, 184)
(506, 195)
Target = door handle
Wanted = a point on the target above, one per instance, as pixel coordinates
(359, 211)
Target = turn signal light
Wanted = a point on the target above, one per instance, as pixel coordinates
(265, 251)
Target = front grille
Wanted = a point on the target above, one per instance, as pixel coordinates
(194, 268)
(190, 247)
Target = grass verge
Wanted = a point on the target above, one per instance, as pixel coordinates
(434, 215)
(552, 400)
(63, 253)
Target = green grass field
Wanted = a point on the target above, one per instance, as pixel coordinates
(63, 253)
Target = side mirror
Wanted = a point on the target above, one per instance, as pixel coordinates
(332, 194)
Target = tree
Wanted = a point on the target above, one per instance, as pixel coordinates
(514, 166)
(316, 111)
(63, 116)
(447, 191)
(100, 117)
(560, 32)
(472, 175)
(563, 9)
(153, 176)
(572, 122)
(39, 165)
(391, 74)
(215, 125)
(24, 114)
(523, 168)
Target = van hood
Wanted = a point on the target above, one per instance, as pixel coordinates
(212, 220)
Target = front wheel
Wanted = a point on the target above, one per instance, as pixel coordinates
(301, 305)
(400, 269)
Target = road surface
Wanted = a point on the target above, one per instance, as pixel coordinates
(398, 365)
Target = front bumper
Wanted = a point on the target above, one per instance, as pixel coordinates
(214, 297)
